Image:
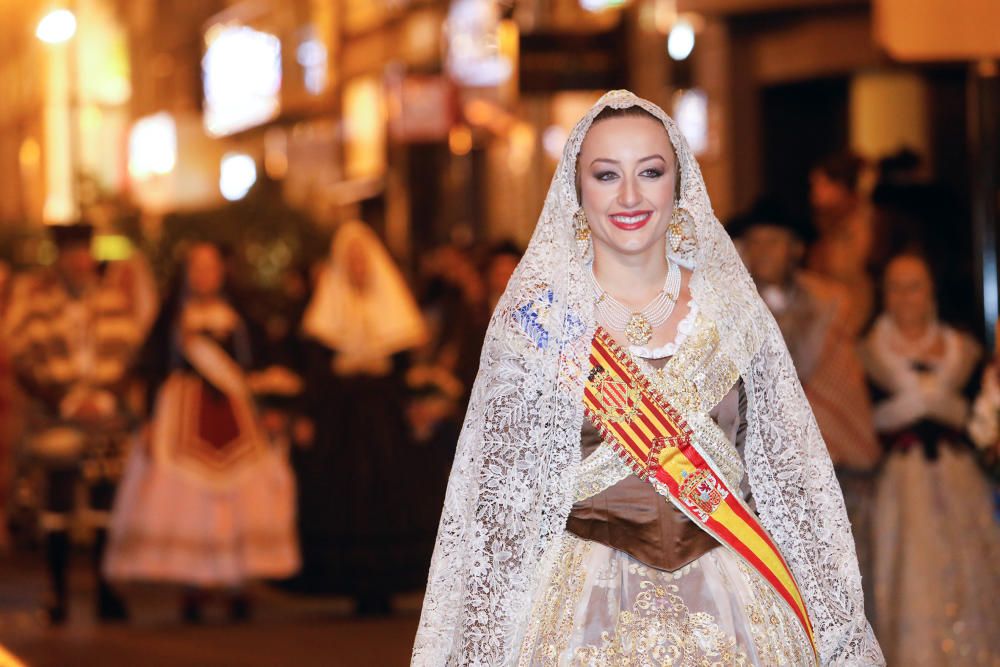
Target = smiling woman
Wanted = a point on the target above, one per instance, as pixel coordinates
(627, 176)
(639, 478)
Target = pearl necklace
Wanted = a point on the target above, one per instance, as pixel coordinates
(639, 325)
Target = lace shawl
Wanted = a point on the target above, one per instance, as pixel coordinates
(514, 475)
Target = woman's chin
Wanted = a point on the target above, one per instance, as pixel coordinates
(632, 243)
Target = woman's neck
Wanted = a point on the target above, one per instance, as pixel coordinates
(632, 279)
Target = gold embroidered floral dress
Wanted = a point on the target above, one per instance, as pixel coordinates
(633, 581)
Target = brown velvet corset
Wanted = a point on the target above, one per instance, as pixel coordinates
(631, 516)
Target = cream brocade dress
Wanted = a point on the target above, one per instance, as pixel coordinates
(597, 605)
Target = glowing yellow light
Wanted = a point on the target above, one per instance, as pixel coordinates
(460, 140)
(90, 117)
(364, 127)
(8, 659)
(664, 15)
(56, 27)
(479, 112)
(522, 147)
(30, 154)
(111, 247)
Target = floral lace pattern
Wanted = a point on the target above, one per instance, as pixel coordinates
(601, 470)
(515, 473)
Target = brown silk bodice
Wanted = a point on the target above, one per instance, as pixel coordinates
(631, 516)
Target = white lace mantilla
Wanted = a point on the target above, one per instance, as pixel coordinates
(518, 460)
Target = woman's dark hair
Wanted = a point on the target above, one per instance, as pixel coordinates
(628, 112)
(157, 356)
(916, 255)
(843, 168)
(504, 247)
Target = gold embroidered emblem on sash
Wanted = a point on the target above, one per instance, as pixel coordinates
(620, 401)
(701, 492)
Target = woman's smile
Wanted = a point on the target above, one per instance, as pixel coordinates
(630, 221)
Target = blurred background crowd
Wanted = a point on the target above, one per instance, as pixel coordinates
(249, 250)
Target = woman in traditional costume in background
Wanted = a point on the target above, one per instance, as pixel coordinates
(360, 482)
(640, 479)
(208, 502)
(937, 548)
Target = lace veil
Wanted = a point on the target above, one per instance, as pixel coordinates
(512, 481)
(368, 324)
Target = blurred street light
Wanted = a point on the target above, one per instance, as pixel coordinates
(680, 43)
(152, 147)
(237, 174)
(62, 204)
(600, 5)
(56, 27)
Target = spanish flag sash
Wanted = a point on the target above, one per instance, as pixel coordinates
(654, 439)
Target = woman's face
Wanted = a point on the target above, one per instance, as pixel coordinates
(204, 270)
(627, 173)
(771, 253)
(909, 292)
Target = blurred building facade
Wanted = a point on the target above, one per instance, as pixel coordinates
(436, 120)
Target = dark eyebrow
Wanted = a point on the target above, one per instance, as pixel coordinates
(645, 159)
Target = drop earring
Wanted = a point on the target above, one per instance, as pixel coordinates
(675, 230)
(582, 232)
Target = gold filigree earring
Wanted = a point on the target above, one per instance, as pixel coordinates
(582, 232)
(675, 230)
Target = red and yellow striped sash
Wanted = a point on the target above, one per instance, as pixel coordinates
(654, 439)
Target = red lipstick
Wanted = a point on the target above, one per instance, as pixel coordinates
(631, 220)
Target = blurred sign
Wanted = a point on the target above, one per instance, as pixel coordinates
(474, 54)
(421, 108)
(307, 157)
(572, 61)
(721, 7)
(938, 29)
(242, 78)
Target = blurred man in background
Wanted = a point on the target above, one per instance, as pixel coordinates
(72, 339)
